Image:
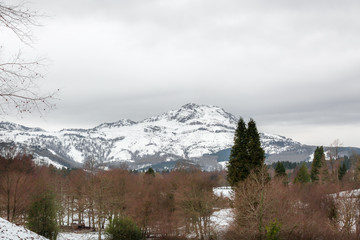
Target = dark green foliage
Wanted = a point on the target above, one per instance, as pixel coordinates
(151, 172)
(255, 151)
(238, 163)
(280, 170)
(342, 171)
(287, 164)
(317, 163)
(42, 215)
(123, 228)
(246, 153)
(303, 175)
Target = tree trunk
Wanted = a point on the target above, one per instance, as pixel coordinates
(99, 227)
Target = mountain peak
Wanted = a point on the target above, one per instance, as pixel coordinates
(120, 123)
(191, 106)
(191, 112)
(189, 132)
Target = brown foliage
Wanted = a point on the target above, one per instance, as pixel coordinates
(15, 179)
(306, 211)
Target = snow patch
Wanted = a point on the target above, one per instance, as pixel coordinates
(76, 155)
(224, 164)
(52, 151)
(79, 236)
(45, 161)
(222, 219)
(10, 231)
(224, 192)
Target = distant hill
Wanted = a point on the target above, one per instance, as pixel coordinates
(202, 134)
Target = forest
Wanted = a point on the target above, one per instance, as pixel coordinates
(179, 204)
(162, 204)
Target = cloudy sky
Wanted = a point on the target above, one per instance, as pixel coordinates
(293, 66)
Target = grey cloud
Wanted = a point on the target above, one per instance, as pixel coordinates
(293, 61)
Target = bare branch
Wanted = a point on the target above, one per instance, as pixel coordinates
(19, 20)
(18, 88)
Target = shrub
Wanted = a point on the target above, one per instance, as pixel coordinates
(123, 228)
(272, 230)
(42, 215)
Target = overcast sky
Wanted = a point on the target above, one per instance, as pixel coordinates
(293, 66)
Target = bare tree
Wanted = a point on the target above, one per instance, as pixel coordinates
(251, 203)
(14, 184)
(334, 155)
(18, 88)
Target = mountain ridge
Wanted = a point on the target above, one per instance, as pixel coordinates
(193, 132)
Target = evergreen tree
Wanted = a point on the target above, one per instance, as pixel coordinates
(342, 171)
(255, 151)
(238, 162)
(42, 215)
(280, 170)
(151, 172)
(303, 175)
(246, 153)
(317, 163)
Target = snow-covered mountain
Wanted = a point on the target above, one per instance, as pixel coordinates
(193, 132)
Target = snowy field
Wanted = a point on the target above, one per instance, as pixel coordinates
(10, 231)
(226, 192)
(79, 236)
(221, 219)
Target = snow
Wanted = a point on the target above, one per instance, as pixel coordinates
(224, 192)
(52, 151)
(326, 153)
(222, 219)
(347, 208)
(76, 154)
(39, 160)
(79, 236)
(224, 164)
(189, 132)
(10, 231)
(311, 157)
(346, 194)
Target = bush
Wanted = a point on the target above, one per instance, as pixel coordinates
(42, 215)
(123, 228)
(272, 230)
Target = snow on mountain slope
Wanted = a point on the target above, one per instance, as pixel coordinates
(10, 231)
(189, 132)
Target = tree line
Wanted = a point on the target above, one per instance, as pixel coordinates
(269, 203)
(164, 205)
(311, 201)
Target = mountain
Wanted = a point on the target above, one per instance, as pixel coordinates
(201, 134)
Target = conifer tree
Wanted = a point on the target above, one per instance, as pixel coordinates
(255, 151)
(42, 215)
(151, 172)
(342, 171)
(303, 175)
(280, 170)
(238, 163)
(317, 163)
(246, 153)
